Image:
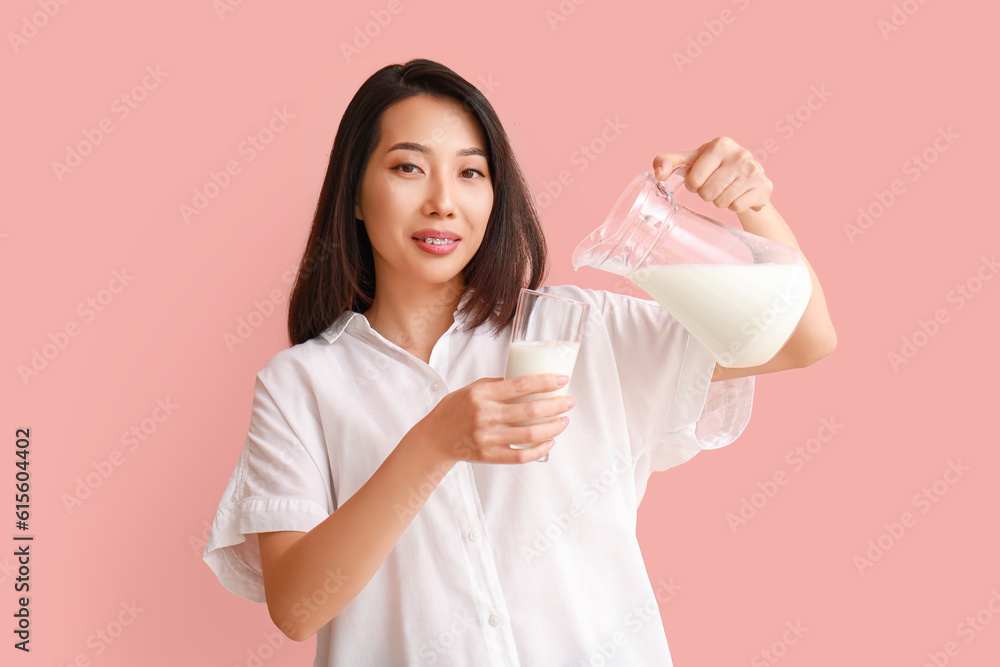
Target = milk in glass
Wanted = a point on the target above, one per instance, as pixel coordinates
(531, 357)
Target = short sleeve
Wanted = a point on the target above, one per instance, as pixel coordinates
(673, 408)
(281, 482)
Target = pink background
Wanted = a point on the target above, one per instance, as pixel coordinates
(138, 538)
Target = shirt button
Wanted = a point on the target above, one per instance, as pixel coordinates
(495, 619)
(435, 386)
(474, 535)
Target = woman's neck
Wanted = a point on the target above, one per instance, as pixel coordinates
(414, 317)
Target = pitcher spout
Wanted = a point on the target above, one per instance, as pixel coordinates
(626, 236)
(596, 251)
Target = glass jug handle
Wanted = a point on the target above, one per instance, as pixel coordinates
(672, 183)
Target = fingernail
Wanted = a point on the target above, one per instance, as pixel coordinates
(565, 421)
(570, 401)
(562, 379)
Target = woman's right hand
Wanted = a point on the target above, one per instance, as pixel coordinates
(479, 422)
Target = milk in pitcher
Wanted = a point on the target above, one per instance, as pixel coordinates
(743, 313)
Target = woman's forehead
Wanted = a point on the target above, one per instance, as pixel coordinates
(431, 122)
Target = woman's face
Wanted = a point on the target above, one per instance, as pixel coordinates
(427, 176)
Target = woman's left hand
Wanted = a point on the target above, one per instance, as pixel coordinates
(722, 172)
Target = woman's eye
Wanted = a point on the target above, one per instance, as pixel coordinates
(410, 168)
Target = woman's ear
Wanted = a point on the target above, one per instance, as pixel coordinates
(357, 211)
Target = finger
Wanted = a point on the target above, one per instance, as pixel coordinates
(720, 154)
(750, 200)
(739, 186)
(480, 380)
(506, 454)
(758, 194)
(535, 433)
(538, 408)
(721, 181)
(526, 384)
(665, 163)
(538, 452)
(707, 163)
(495, 446)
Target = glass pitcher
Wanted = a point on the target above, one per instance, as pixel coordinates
(739, 294)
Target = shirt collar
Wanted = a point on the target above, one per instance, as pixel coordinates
(351, 318)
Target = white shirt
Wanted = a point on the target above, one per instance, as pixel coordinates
(533, 564)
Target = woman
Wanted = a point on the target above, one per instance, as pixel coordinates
(369, 505)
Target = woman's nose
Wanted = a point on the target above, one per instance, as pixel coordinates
(439, 197)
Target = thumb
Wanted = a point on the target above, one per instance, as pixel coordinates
(667, 162)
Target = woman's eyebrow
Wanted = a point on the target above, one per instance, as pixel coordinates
(420, 148)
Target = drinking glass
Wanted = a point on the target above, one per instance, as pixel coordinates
(546, 338)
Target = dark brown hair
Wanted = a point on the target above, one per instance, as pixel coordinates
(337, 272)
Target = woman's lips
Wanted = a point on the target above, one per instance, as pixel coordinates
(437, 248)
(430, 232)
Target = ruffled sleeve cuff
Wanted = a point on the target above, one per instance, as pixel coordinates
(704, 414)
(232, 550)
